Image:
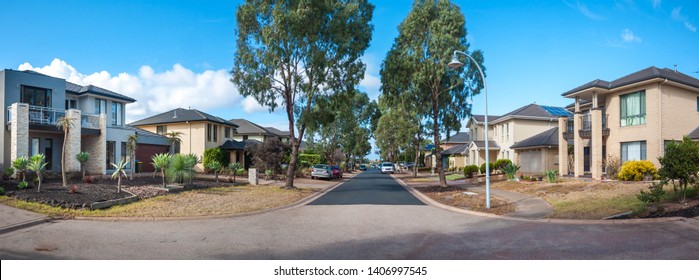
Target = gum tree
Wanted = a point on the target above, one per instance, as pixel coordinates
(290, 53)
(427, 38)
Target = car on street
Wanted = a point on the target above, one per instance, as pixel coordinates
(409, 165)
(322, 171)
(386, 167)
(337, 171)
(362, 167)
(373, 166)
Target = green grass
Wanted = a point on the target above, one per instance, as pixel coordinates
(595, 207)
(453, 177)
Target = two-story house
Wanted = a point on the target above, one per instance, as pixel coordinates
(197, 130)
(33, 104)
(630, 118)
(250, 130)
(455, 149)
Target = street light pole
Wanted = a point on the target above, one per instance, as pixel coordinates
(455, 63)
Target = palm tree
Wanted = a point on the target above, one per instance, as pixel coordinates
(37, 164)
(82, 157)
(131, 146)
(161, 162)
(119, 169)
(215, 166)
(233, 167)
(20, 165)
(66, 124)
(174, 138)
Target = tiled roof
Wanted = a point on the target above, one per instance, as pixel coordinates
(246, 127)
(540, 111)
(233, 145)
(278, 132)
(143, 131)
(456, 150)
(79, 90)
(546, 138)
(181, 115)
(460, 137)
(481, 118)
(694, 135)
(491, 144)
(645, 74)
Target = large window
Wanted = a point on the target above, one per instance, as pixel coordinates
(161, 129)
(35, 96)
(215, 133)
(35, 147)
(208, 132)
(633, 108)
(71, 104)
(227, 132)
(117, 113)
(633, 151)
(111, 154)
(124, 155)
(100, 106)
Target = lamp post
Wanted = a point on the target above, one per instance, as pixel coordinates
(455, 63)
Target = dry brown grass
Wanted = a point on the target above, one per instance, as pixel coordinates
(454, 196)
(577, 199)
(205, 202)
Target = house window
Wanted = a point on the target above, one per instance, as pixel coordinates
(117, 113)
(100, 106)
(208, 132)
(71, 104)
(35, 96)
(161, 129)
(227, 132)
(35, 146)
(507, 132)
(124, 155)
(215, 133)
(633, 108)
(111, 154)
(633, 151)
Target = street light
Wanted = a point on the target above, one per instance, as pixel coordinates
(455, 63)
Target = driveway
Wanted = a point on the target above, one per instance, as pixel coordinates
(368, 217)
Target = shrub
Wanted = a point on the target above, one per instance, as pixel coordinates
(654, 195)
(8, 173)
(269, 173)
(82, 157)
(309, 159)
(181, 168)
(551, 175)
(612, 165)
(214, 154)
(20, 164)
(214, 166)
(636, 170)
(469, 170)
(23, 185)
(499, 164)
(510, 170)
(681, 163)
(491, 168)
(2, 191)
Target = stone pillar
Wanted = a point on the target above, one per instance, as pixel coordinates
(579, 161)
(97, 147)
(596, 149)
(252, 176)
(562, 147)
(72, 145)
(19, 131)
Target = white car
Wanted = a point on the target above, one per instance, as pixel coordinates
(386, 167)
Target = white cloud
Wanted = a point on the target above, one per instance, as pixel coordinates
(583, 9)
(371, 82)
(155, 92)
(250, 105)
(678, 16)
(628, 36)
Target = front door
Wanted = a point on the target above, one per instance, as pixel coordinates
(48, 152)
(586, 152)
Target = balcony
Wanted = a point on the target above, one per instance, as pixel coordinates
(586, 131)
(44, 118)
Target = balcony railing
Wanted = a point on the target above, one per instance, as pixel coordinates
(586, 131)
(49, 116)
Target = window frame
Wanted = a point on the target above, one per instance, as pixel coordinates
(110, 153)
(208, 132)
(643, 150)
(161, 129)
(29, 95)
(630, 120)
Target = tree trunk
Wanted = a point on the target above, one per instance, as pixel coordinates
(38, 188)
(417, 150)
(119, 184)
(63, 158)
(438, 153)
(295, 144)
(163, 172)
(133, 165)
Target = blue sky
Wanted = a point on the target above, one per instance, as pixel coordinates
(170, 54)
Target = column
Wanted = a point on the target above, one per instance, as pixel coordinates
(97, 147)
(562, 147)
(72, 144)
(596, 149)
(579, 161)
(19, 131)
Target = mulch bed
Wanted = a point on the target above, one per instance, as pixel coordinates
(687, 210)
(102, 188)
(454, 196)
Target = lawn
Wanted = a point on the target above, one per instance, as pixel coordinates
(205, 202)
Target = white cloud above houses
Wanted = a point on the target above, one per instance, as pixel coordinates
(678, 16)
(155, 92)
(628, 36)
(371, 83)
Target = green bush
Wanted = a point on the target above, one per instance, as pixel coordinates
(181, 168)
(636, 170)
(551, 175)
(8, 173)
(23, 185)
(654, 195)
(491, 166)
(469, 170)
(308, 160)
(499, 164)
(510, 170)
(2, 191)
(214, 154)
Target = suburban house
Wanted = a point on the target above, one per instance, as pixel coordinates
(197, 130)
(476, 148)
(630, 118)
(34, 102)
(249, 130)
(455, 149)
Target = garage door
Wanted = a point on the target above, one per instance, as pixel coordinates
(144, 153)
(530, 162)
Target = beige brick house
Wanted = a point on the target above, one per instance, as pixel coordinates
(631, 118)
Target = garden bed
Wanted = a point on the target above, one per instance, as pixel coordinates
(455, 196)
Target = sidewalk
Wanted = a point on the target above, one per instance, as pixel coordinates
(12, 219)
(528, 207)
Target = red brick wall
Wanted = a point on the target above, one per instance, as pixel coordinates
(145, 152)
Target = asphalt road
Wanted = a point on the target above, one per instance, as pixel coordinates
(339, 227)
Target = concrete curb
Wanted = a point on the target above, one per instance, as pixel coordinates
(25, 224)
(429, 201)
(296, 204)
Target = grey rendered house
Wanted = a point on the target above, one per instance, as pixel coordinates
(32, 104)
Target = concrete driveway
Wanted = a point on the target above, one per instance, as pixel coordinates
(368, 217)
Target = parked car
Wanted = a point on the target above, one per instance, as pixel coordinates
(409, 165)
(322, 171)
(362, 167)
(387, 167)
(373, 166)
(337, 171)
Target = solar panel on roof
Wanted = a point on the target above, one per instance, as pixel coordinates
(556, 111)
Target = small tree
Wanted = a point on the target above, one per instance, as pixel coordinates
(681, 163)
(181, 168)
(82, 157)
(131, 146)
(233, 168)
(214, 166)
(37, 164)
(65, 124)
(119, 169)
(174, 139)
(20, 165)
(160, 163)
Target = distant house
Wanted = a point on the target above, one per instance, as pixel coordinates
(250, 130)
(631, 118)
